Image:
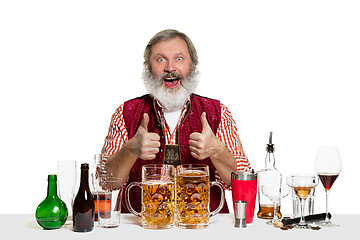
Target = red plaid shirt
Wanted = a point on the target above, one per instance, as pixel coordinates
(227, 133)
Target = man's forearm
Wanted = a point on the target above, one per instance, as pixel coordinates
(224, 162)
(120, 163)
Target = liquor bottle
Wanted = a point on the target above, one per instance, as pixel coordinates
(84, 207)
(268, 175)
(52, 212)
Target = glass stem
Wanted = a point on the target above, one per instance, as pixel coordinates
(302, 208)
(275, 218)
(327, 220)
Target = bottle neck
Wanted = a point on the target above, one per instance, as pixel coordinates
(98, 160)
(52, 188)
(84, 181)
(270, 160)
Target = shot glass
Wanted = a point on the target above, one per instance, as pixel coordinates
(109, 201)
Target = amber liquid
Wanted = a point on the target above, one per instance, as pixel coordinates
(102, 205)
(192, 198)
(303, 192)
(328, 179)
(267, 212)
(158, 204)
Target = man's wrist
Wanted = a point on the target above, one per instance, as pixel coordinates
(218, 149)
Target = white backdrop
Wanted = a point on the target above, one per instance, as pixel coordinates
(290, 67)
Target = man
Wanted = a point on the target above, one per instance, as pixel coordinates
(171, 124)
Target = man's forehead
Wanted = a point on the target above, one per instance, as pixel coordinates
(164, 54)
(177, 46)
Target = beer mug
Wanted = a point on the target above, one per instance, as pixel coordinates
(157, 196)
(193, 196)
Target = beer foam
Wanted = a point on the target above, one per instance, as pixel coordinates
(157, 182)
(193, 173)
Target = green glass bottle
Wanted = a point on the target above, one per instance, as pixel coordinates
(52, 212)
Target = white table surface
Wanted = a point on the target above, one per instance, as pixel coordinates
(21, 226)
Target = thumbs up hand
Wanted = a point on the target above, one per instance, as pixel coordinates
(204, 144)
(146, 145)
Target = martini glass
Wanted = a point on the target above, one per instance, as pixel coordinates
(302, 185)
(328, 168)
(275, 192)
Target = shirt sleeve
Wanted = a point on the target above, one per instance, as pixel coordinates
(117, 134)
(228, 134)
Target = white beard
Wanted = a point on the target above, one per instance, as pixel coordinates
(171, 99)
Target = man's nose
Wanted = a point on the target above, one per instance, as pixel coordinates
(170, 67)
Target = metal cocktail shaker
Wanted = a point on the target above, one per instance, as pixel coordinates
(244, 188)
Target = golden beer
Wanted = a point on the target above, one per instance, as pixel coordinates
(192, 198)
(158, 204)
(157, 196)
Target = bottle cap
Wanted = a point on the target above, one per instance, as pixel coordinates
(84, 166)
(270, 147)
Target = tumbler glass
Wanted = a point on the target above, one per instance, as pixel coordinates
(109, 201)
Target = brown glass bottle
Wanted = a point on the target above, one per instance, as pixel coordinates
(84, 207)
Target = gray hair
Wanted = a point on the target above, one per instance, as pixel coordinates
(167, 35)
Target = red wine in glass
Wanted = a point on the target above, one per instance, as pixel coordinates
(328, 167)
(328, 179)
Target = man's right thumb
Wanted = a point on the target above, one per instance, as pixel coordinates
(145, 121)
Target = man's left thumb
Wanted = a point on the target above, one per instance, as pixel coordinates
(204, 121)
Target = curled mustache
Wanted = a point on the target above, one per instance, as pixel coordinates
(171, 75)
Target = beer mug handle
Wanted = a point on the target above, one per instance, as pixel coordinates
(221, 204)
(127, 197)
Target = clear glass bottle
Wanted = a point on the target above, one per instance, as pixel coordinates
(268, 175)
(84, 207)
(52, 212)
(96, 170)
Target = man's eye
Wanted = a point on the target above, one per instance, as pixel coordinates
(161, 60)
(179, 59)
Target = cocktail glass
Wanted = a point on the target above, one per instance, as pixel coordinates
(328, 168)
(302, 185)
(275, 192)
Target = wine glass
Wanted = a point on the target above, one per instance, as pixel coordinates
(275, 192)
(302, 185)
(328, 168)
(66, 175)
